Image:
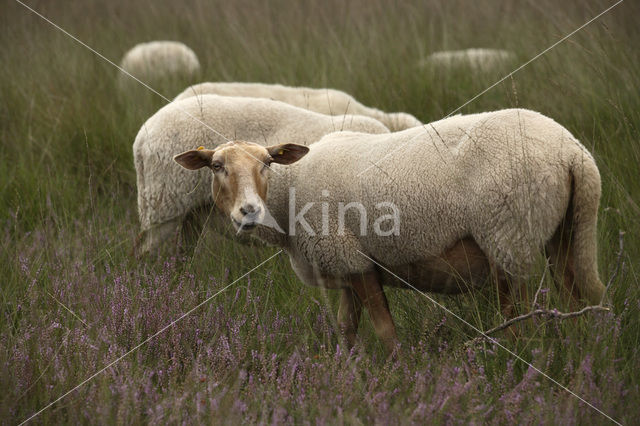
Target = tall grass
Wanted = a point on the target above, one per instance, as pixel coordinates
(267, 350)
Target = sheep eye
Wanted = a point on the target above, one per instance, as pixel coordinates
(267, 164)
(217, 167)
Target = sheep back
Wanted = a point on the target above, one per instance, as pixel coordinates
(325, 101)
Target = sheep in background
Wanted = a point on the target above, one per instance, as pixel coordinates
(477, 59)
(159, 62)
(324, 101)
(473, 197)
(168, 195)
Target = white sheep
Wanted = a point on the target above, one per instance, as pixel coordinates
(157, 62)
(167, 194)
(454, 201)
(477, 59)
(325, 101)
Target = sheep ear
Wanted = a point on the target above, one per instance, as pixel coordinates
(195, 159)
(287, 153)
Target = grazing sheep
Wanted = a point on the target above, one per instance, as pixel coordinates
(325, 101)
(467, 198)
(476, 59)
(159, 62)
(167, 194)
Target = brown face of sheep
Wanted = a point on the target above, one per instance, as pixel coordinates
(240, 176)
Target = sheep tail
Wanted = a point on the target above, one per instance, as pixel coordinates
(583, 213)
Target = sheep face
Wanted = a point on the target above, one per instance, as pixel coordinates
(240, 176)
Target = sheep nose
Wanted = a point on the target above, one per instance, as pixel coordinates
(249, 209)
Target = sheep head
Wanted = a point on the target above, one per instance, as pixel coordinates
(240, 176)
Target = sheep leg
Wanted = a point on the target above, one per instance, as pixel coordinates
(511, 289)
(206, 216)
(561, 265)
(192, 226)
(150, 239)
(505, 296)
(349, 315)
(367, 287)
(507, 291)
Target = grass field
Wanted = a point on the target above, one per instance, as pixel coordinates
(266, 350)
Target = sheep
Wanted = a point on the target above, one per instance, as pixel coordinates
(168, 196)
(325, 101)
(159, 62)
(464, 199)
(477, 59)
